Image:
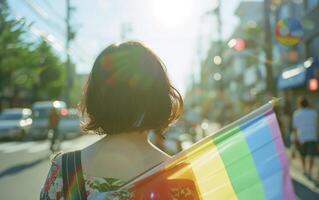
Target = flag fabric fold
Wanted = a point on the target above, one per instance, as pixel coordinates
(245, 160)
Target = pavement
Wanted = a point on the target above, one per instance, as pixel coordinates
(24, 167)
(311, 190)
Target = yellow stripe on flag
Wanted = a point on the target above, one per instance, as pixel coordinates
(205, 167)
(211, 176)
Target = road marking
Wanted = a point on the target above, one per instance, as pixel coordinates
(4, 145)
(18, 147)
(31, 147)
(38, 146)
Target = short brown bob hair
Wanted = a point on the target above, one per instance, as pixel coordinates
(128, 90)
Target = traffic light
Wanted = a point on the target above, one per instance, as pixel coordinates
(240, 44)
(313, 84)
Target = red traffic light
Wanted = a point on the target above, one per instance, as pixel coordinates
(313, 84)
(238, 44)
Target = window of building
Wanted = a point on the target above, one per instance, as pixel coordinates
(284, 11)
(298, 9)
(314, 47)
(311, 4)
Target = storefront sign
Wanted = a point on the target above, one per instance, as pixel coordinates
(289, 31)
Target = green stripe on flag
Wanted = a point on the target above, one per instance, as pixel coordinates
(239, 164)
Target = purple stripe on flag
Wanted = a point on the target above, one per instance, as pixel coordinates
(288, 189)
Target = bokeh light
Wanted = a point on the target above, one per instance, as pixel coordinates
(238, 44)
(217, 76)
(218, 60)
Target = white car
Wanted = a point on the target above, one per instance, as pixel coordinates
(15, 123)
(69, 125)
(40, 117)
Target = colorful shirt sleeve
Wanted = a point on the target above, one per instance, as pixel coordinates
(53, 186)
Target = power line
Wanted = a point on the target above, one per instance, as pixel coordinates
(52, 9)
(48, 38)
(55, 43)
(43, 15)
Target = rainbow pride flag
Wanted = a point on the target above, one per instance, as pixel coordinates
(245, 160)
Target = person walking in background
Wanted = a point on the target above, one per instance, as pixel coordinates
(285, 118)
(53, 123)
(305, 134)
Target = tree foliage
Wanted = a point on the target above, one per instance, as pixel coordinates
(13, 50)
(26, 66)
(50, 73)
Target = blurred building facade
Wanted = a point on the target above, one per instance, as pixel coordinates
(245, 68)
(297, 67)
(233, 74)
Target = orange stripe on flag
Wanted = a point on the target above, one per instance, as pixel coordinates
(176, 183)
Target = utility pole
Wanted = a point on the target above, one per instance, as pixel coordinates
(69, 36)
(215, 12)
(219, 24)
(220, 41)
(268, 49)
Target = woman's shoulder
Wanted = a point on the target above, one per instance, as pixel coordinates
(52, 188)
(56, 159)
(94, 186)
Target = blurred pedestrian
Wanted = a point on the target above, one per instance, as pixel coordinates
(285, 118)
(305, 134)
(128, 94)
(53, 123)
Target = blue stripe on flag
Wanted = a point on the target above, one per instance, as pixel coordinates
(262, 147)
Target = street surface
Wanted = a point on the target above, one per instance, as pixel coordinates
(24, 167)
(304, 188)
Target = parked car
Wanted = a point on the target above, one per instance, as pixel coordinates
(40, 115)
(15, 123)
(69, 126)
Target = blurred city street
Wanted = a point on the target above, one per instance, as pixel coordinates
(22, 160)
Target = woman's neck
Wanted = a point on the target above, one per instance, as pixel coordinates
(140, 138)
(132, 142)
(114, 152)
(130, 135)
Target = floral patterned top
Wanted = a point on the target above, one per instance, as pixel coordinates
(96, 188)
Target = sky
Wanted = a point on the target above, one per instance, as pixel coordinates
(175, 29)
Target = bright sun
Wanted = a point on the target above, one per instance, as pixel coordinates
(171, 13)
